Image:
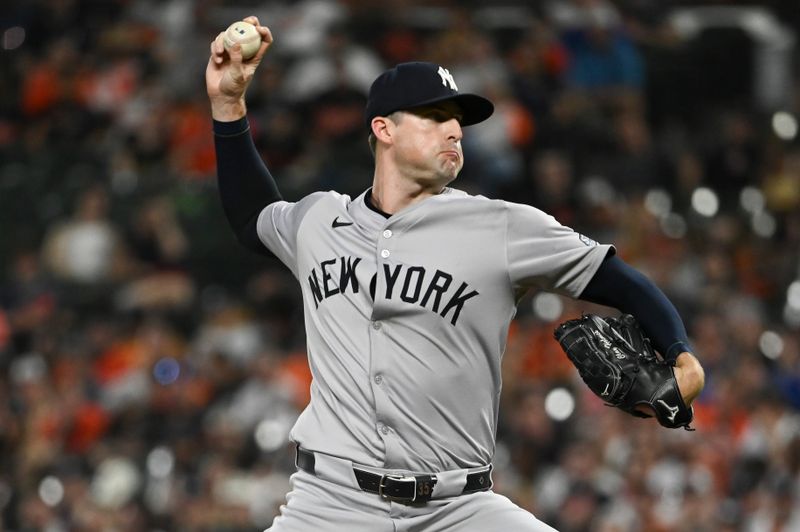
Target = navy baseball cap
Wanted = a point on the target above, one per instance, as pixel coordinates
(410, 85)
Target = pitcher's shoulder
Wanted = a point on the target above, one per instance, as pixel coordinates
(327, 199)
(457, 197)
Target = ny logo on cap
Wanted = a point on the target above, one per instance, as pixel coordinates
(447, 78)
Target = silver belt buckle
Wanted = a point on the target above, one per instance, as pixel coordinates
(397, 478)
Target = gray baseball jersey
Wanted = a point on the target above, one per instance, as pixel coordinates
(407, 318)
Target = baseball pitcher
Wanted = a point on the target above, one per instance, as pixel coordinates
(408, 291)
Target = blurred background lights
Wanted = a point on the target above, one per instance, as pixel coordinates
(13, 38)
(166, 370)
(115, 483)
(791, 316)
(30, 367)
(270, 435)
(759, 23)
(673, 225)
(547, 306)
(705, 201)
(658, 202)
(771, 344)
(764, 224)
(752, 200)
(160, 462)
(51, 491)
(596, 190)
(784, 125)
(791, 311)
(559, 404)
(793, 295)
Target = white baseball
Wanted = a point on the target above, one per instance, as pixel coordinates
(246, 35)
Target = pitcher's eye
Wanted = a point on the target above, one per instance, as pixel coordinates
(443, 116)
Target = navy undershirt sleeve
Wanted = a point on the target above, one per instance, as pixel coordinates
(618, 285)
(245, 184)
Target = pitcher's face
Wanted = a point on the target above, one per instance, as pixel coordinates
(428, 142)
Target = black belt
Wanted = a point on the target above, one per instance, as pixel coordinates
(401, 488)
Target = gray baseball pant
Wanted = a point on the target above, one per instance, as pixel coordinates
(318, 505)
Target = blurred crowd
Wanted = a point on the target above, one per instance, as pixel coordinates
(150, 369)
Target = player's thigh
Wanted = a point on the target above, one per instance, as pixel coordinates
(320, 506)
(485, 512)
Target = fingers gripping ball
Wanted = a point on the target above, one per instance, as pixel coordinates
(246, 35)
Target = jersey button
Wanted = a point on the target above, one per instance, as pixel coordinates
(385, 253)
(384, 429)
(376, 325)
(378, 379)
(387, 233)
